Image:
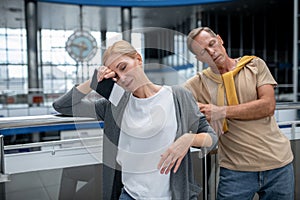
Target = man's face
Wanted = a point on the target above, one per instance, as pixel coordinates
(209, 49)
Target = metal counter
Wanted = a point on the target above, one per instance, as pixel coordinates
(67, 168)
(70, 166)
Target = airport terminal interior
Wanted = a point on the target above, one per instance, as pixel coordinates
(48, 46)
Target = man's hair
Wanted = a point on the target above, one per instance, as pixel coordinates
(121, 48)
(196, 32)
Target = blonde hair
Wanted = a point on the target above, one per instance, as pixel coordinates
(122, 48)
(196, 32)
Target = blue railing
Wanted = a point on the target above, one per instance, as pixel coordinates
(136, 3)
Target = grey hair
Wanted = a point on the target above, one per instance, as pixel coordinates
(191, 36)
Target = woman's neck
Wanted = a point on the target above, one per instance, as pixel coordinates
(147, 90)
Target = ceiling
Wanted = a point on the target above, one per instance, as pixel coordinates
(66, 17)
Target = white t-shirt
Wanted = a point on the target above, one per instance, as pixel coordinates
(148, 128)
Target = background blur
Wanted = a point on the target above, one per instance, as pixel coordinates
(35, 66)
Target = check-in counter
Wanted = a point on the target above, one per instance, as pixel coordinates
(68, 167)
(67, 162)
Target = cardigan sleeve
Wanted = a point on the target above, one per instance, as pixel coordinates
(191, 118)
(202, 125)
(74, 103)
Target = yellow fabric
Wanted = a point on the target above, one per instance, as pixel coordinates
(226, 81)
(218, 79)
(220, 96)
(229, 80)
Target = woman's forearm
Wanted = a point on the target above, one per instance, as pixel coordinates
(202, 140)
(85, 87)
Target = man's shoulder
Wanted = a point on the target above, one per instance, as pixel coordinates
(254, 60)
(254, 63)
(195, 78)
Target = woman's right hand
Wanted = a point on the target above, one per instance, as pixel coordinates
(105, 73)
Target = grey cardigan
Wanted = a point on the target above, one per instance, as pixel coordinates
(189, 118)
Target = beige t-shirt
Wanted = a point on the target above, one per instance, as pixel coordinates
(249, 145)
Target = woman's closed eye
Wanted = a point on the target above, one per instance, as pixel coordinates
(121, 66)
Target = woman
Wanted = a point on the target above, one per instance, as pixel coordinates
(147, 134)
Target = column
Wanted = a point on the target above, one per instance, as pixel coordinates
(126, 23)
(32, 59)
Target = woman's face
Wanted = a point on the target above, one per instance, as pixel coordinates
(128, 71)
(121, 64)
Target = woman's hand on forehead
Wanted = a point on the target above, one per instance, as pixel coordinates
(105, 73)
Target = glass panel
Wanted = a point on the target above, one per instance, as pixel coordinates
(3, 58)
(2, 42)
(17, 80)
(17, 71)
(2, 31)
(59, 56)
(3, 77)
(15, 57)
(14, 42)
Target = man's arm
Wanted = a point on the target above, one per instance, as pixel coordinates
(262, 107)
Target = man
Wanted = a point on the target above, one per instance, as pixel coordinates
(237, 97)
